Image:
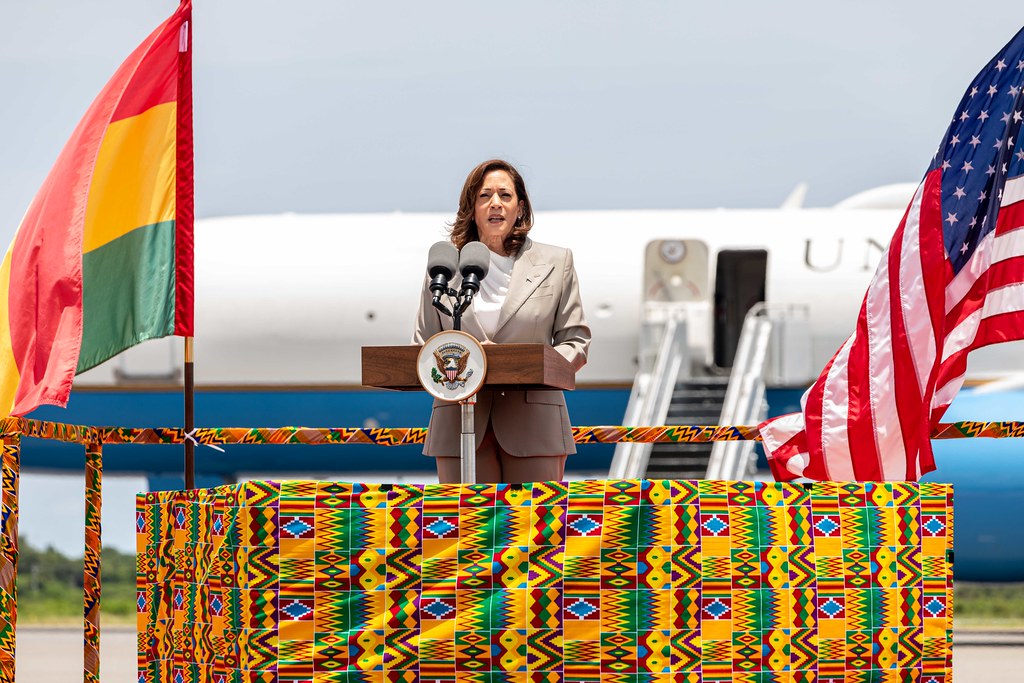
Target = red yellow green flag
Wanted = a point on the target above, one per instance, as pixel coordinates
(103, 257)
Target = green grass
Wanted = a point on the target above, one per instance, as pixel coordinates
(50, 587)
(64, 606)
(999, 605)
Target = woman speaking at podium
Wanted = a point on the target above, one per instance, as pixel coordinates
(530, 295)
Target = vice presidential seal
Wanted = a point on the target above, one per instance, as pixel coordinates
(451, 365)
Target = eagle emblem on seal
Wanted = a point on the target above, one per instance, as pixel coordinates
(450, 362)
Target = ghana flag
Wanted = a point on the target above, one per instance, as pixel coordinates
(102, 259)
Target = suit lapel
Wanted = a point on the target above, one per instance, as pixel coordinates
(528, 271)
(471, 325)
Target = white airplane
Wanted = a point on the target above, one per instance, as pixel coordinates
(288, 300)
(285, 302)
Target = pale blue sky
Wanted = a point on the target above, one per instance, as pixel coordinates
(346, 106)
(356, 106)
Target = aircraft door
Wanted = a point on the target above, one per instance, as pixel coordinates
(739, 284)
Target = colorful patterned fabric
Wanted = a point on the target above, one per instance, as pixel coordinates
(404, 436)
(11, 468)
(91, 559)
(610, 581)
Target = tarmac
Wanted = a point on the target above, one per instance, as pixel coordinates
(54, 655)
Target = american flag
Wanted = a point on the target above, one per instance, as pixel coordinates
(951, 281)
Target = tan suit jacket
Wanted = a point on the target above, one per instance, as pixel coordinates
(543, 305)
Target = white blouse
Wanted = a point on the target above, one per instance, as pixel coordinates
(493, 290)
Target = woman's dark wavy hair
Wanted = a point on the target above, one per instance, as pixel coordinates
(464, 230)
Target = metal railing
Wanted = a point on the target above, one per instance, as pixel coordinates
(651, 395)
(744, 397)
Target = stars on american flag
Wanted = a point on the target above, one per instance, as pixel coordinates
(981, 136)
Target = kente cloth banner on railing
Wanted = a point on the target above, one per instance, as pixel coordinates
(604, 581)
(406, 436)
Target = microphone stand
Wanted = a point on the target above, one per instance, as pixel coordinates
(467, 436)
(458, 308)
(462, 302)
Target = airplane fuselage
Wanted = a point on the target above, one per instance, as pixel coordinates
(289, 300)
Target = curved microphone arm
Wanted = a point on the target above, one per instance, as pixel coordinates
(463, 300)
(436, 302)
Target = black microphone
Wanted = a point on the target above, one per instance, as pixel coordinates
(442, 262)
(474, 262)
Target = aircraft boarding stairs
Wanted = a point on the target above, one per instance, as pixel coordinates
(673, 388)
(695, 401)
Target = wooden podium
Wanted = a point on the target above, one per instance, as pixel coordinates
(509, 367)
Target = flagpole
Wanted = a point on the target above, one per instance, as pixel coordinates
(190, 416)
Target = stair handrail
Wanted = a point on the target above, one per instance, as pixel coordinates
(744, 397)
(651, 395)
